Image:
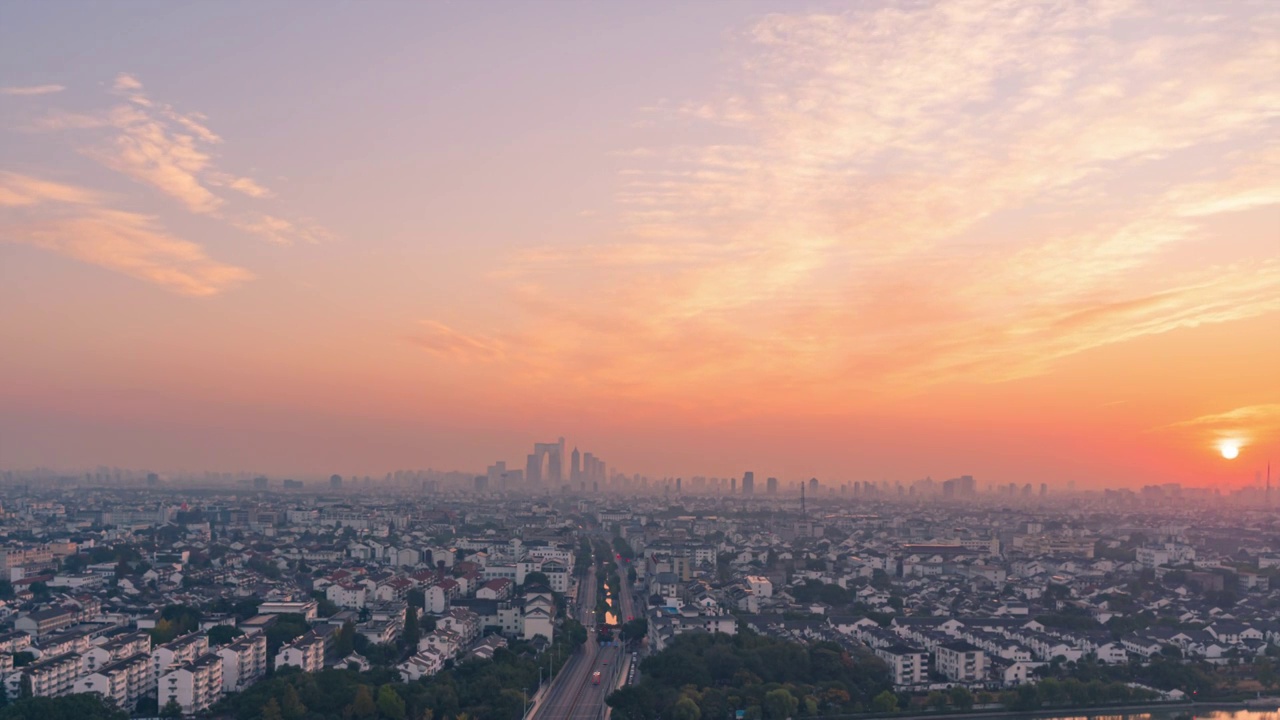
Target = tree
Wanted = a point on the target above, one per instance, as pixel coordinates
(271, 711)
(291, 706)
(633, 702)
(780, 704)
(885, 702)
(537, 578)
(961, 698)
(687, 709)
(223, 634)
(411, 632)
(937, 700)
(171, 709)
(344, 642)
(390, 704)
(363, 705)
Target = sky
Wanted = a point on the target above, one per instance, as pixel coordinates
(1027, 241)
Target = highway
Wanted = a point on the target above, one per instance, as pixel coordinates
(572, 695)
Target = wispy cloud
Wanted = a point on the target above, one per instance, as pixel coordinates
(75, 222)
(919, 193)
(1240, 426)
(173, 152)
(440, 339)
(31, 90)
(281, 231)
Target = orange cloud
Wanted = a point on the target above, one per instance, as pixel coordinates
(73, 222)
(923, 194)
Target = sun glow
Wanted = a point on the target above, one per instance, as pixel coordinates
(1230, 449)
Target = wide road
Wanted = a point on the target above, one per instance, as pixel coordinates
(572, 695)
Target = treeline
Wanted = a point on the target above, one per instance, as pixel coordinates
(477, 689)
(83, 706)
(711, 676)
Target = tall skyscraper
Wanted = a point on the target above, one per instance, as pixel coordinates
(575, 466)
(813, 486)
(748, 483)
(771, 486)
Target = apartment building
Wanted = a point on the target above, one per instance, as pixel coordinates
(177, 652)
(908, 665)
(244, 662)
(117, 648)
(14, 557)
(14, 641)
(194, 685)
(51, 677)
(121, 681)
(307, 652)
(961, 662)
(45, 622)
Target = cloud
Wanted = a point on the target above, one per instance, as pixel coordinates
(146, 150)
(908, 194)
(172, 152)
(73, 222)
(442, 340)
(32, 90)
(281, 231)
(250, 187)
(127, 83)
(24, 191)
(1241, 426)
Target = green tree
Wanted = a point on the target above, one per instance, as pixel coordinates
(937, 700)
(411, 631)
(171, 709)
(344, 642)
(780, 704)
(223, 634)
(633, 702)
(686, 709)
(390, 704)
(291, 705)
(363, 705)
(885, 702)
(961, 698)
(271, 711)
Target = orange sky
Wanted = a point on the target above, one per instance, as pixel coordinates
(868, 241)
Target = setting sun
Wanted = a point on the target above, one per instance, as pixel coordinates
(1229, 450)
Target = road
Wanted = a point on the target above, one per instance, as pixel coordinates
(572, 695)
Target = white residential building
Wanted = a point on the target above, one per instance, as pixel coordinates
(195, 685)
(307, 652)
(961, 662)
(121, 681)
(244, 662)
(908, 665)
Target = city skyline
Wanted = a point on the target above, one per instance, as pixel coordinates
(880, 241)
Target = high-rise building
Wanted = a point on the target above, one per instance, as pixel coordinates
(733, 486)
(335, 482)
(771, 486)
(813, 486)
(748, 483)
(575, 465)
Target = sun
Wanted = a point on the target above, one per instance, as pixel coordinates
(1229, 450)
